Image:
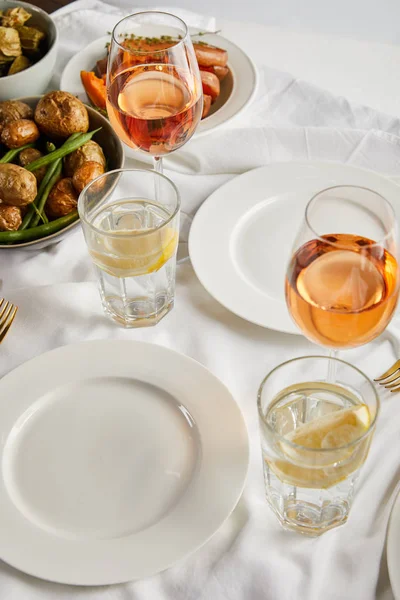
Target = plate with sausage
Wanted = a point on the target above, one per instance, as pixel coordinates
(229, 77)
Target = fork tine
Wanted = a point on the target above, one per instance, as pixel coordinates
(7, 324)
(390, 371)
(395, 389)
(391, 379)
(3, 307)
(392, 385)
(4, 315)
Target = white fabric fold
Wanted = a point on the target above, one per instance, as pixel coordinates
(250, 558)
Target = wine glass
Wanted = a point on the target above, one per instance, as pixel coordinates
(342, 282)
(154, 89)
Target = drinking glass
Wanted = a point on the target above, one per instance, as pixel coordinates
(130, 220)
(315, 437)
(154, 90)
(342, 282)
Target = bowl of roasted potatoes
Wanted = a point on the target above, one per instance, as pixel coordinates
(51, 147)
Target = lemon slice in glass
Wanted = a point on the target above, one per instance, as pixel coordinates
(141, 253)
(335, 431)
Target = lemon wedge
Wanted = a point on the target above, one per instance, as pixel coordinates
(335, 431)
(141, 253)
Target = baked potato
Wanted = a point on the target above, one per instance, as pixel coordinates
(11, 110)
(60, 114)
(18, 133)
(85, 174)
(10, 218)
(25, 157)
(89, 152)
(17, 185)
(62, 199)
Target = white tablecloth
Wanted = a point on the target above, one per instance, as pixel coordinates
(250, 558)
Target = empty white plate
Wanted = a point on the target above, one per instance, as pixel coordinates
(241, 238)
(393, 548)
(118, 458)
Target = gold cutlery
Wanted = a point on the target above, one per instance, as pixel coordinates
(391, 378)
(7, 316)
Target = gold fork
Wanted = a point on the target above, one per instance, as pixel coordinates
(7, 316)
(391, 378)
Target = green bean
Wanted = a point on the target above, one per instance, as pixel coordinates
(41, 200)
(26, 221)
(50, 147)
(11, 154)
(41, 216)
(69, 146)
(38, 232)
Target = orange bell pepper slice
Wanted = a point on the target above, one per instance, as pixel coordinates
(95, 88)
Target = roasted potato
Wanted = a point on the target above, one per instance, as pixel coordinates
(85, 174)
(11, 110)
(62, 199)
(10, 218)
(29, 155)
(19, 132)
(17, 185)
(60, 114)
(88, 152)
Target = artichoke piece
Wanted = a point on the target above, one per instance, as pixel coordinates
(30, 37)
(15, 16)
(10, 44)
(19, 64)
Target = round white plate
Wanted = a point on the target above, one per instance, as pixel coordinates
(118, 458)
(236, 97)
(393, 548)
(241, 237)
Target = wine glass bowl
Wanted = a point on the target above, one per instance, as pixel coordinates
(154, 90)
(342, 281)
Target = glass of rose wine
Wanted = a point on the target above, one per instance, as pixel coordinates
(154, 90)
(342, 282)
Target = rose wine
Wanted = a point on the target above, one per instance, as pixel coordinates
(152, 108)
(342, 290)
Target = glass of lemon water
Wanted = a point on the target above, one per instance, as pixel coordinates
(130, 220)
(315, 437)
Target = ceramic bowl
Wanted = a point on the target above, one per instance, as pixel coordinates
(35, 79)
(114, 153)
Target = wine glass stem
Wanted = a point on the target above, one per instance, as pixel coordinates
(331, 377)
(158, 166)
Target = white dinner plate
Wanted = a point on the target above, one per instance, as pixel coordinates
(237, 90)
(241, 237)
(393, 548)
(118, 458)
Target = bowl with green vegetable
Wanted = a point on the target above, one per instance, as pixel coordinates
(28, 49)
(51, 147)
